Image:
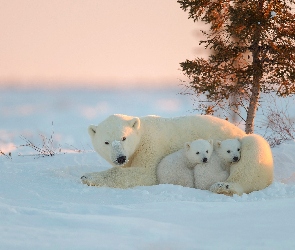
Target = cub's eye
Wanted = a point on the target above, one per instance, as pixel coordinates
(197, 153)
(124, 138)
(207, 151)
(238, 149)
(228, 151)
(106, 142)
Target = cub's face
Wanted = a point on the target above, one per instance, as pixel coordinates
(116, 139)
(230, 150)
(199, 151)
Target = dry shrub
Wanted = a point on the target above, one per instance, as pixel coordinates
(8, 156)
(49, 147)
(279, 126)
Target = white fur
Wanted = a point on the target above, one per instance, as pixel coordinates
(253, 172)
(149, 139)
(229, 151)
(177, 168)
(217, 168)
(111, 145)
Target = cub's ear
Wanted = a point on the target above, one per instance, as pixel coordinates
(218, 143)
(92, 130)
(211, 141)
(239, 139)
(135, 123)
(187, 146)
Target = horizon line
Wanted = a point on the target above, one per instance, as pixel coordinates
(60, 84)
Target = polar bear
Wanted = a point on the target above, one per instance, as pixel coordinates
(229, 152)
(217, 168)
(248, 174)
(134, 147)
(177, 168)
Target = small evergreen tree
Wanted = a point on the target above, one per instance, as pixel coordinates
(253, 51)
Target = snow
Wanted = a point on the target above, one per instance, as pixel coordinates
(44, 205)
(273, 14)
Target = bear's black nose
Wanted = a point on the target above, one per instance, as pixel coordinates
(235, 158)
(205, 159)
(121, 159)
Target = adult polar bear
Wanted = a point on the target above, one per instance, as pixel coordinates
(134, 146)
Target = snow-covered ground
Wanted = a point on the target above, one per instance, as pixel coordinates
(43, 204)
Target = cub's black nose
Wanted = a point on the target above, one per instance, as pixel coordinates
(121, 159)
(235, 158)
(205, 159)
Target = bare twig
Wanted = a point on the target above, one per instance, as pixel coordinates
(77, 150)
(279, 126)
(8, 156)
(46, 149)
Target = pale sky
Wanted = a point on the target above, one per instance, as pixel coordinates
(94, 41)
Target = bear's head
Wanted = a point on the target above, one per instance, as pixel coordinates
(116, 138)
(198, 151)
(229, 150)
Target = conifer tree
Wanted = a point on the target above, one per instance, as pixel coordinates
(252, 46)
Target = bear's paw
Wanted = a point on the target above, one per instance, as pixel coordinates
(226, 188)
(91, 180)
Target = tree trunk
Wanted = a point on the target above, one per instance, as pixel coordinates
(257, 75)
(253, 105)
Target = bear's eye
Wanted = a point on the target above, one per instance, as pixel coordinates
(197, 153)
(124, 138)
(207, 151)
(228, 151)
(106, 142)
(238, 149)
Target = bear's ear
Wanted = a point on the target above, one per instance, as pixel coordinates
(239, 139)
(135, 123)
(187, 146)
(92, 130)
(218, 143)
(211, 141)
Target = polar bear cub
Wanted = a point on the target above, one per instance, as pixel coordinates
(229, 152)
(217, 169)
(177, 168)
